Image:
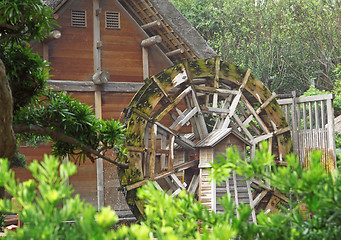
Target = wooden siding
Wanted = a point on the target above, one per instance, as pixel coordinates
(121, 51)
(71, 56)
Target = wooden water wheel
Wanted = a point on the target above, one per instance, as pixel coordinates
(184, 104)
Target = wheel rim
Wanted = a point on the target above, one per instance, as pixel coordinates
(180, 106)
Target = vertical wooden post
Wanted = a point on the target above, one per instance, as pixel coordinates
(145, 62)
(153, 149)
(330, 119)
(98, 97)
(294, 123)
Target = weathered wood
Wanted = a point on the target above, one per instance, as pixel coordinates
(89, 86)
(330, 118)
(255, 115)
(193, 185)
(171, 152)
(201, 121)
(294, 123)
(156, 23)
(317, 119)
(175, 52)
(153, 150)
(219, 91)
(171, 106)
(99, 161)
(259, 198)
(145, 62)
(243, 127)
(310, 115)
(177, 168)
(266, 103)
(148, 42)
(253, 213)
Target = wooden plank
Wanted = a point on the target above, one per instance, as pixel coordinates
(259, 197)
(294, 124)
(233, 108)
(253, 213)
(193, 185)
(323, 121)
(201, 121)
(171, 152)
(243, 127)
(317, 119)
(331, 131)
(304, 117)
(89, 86)
(266, 103)
(157, 186)
(246, 78)
(236, 201)
(186, 119)
(145, 62)
(153, 148)
(214, 90)
(214, 110)
(310, 115)
(214, 196)
(253, 112)
(172, 105)
(177, 168)
(306, 99)
(177, 181)
(162, 89)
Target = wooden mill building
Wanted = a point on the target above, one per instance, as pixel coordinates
(100, 54)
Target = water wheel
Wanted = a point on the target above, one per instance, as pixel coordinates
(184, 104)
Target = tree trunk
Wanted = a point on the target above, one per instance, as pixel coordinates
(7, 138)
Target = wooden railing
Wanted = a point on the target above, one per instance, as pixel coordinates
(312, 122)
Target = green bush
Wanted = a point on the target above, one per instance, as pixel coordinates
(47, 205)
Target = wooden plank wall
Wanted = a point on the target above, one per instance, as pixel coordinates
(121, 51)
(71, 56)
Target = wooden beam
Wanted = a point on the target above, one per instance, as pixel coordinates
(89, 86)
(156, 23)
(177, 168)
(266, 103)
(171, 152)
(175, 52)
(219, 91)
(153, 149)
(148, 42)
(145, 62)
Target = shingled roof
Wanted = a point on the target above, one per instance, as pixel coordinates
(176, 31)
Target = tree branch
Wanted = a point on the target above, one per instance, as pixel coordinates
(21, 128)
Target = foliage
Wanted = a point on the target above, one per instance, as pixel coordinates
(22, 21)
(62, 113)
(46, 205)
(288, 44)
(312, 188)
(337, 100)
(183, 217)
(26, 71)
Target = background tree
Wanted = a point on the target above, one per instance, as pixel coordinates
(288, 44)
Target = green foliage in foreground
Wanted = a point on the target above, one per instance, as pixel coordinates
(59, 112)
(47, 204)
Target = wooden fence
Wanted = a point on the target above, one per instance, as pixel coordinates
(312, 123)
